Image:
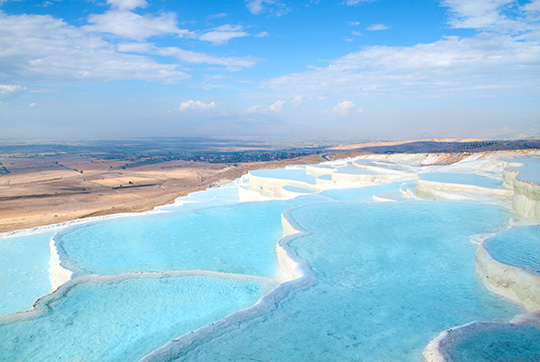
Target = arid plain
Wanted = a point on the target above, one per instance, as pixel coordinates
(38, 191)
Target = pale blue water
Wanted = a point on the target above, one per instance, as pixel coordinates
(24, 271)
(462, 178)
(386, 278)
(123, 320)
(294, 174)
(519, 343)
(224, 195)
(519, 246)
(301, 190)
(352, 170)
(531, 171)
(361, 193)
(392, 196)
(239, 238)
(325, 177)
(364, 162)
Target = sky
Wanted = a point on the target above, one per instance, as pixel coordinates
(313, 69)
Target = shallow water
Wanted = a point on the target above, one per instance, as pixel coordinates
(293, 174)
(353, 170)
(300, 190)
(218, 196)
(531, 171)
(24, 271)
(519, 246)
(361, 193)
(239, 238)
(519, 343)
(386, 279)
(462, 178)
(113, 321)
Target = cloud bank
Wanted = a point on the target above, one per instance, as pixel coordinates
(344, 107)
(192, 105)
(274, 7)
(503, 57)
(377, 27)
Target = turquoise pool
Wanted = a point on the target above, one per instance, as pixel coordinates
(384, 280)
(519, 246)
(352, 170)
(24, 271)
(462, 178)
(531, 171)
(293, 174)
(238, 238)
(497, 342)
(122, 318)
(360, 193)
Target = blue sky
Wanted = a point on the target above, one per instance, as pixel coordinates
(339, 69)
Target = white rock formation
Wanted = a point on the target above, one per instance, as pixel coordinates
(518, 284)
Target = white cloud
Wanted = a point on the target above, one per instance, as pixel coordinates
(127, 4)
(277, 106)
(297, 100)
(534, 5)
(355, 2)
(32, 105)
(129, 25)
(10, 91)
(377, 27)
(223, 34)
(41, 47)
(187, 56)
(217, 16)
(255, 109)
(262, 34)
(275, 7)
(484, 14)
(6, 89)
(192, 105)
(343, 108)
(255, 6)
(487, 63)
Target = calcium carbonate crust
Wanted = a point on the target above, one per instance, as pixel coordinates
(521, 285)
(526, 200)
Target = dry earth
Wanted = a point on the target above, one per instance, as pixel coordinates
(35, 193)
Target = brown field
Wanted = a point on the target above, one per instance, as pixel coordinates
(120, 180)
(38, 191)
